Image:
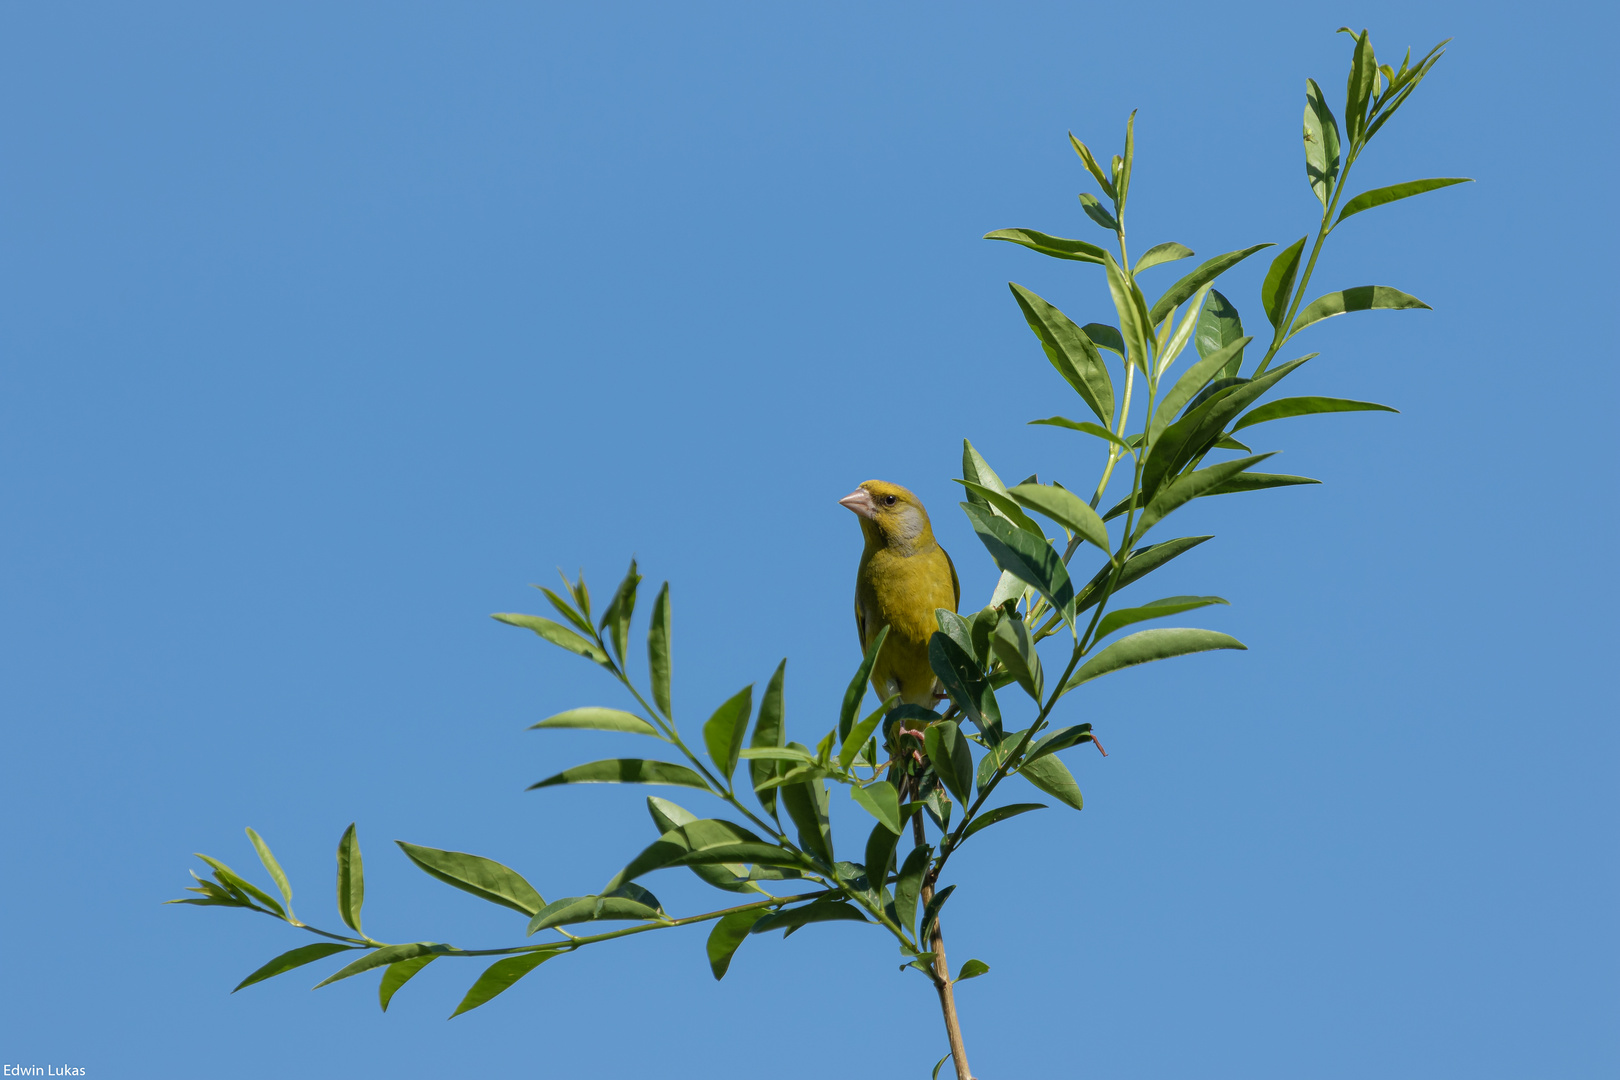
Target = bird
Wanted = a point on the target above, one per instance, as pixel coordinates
(904, 575)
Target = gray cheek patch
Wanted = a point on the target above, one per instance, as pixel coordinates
(911, 524)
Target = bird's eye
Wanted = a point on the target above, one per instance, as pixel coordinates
(888, 500)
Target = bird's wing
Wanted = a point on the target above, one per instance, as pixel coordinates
(860, 622)
(956, 586)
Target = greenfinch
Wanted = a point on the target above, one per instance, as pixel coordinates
(903, 577)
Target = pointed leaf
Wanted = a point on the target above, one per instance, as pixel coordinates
(1103, 179)
(1359, 87)
(1135, 325)
(351, 880)
(1190, 486)
(1283, 408)
(630, 902)
(1379, 196)
(1000, 813)
(1138, 564)
(1061, 739)
(855, 741)
(1148, 645)
(1023, 556)
(1070, 351)
(1055, 246)
(768, 732)
(658, 650)
(908, 886)
(484, 878)
(1067, 509)
(1003, 504)
(1160, 254)
(880, 845)
(500, 977)
(931, 912)
(243, 888)
(963, 679)
(616, 619)
(1095, 211)
(1278, 288)
(733, 877)
(724, 730)
(1361, 298)
(972, 970)
(817, 911)
(1205, 273)
(1194, 379)
(1050, 775)
(1157, 609)
(1251, 481)
(1015, 648)
(806, 803)
(1088, 427)
(398, 974)
(556, 633)
(1105, 336)
(727, 936)
(881, 800)
(382, 957)
(626, 771)
(593, 718)
(953, 761)
(294, 958)
(1321, 143)
(1219, 326)
(273, 867)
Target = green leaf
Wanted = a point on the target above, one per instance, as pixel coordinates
(1160, 254)
(1190, 486)
(1135, 325)
(1379, 196)
(1205, 273)
(816, 911)
(1321, 143)
(398, 974)
(953, 761)
(881, 801)
(1066, 508)
(1094, 210)
(351, 880)
(856, 739)
(626, 771)
(972, 970)
(1003, 504)
(1055, 246)
(567, 610)
(880, 845)
(1359, 87)
(806, 803)
(1105, 336)
(627, 902)
(727, 936)
(1148, 645)
(1203, 423)
(1138, 564)
(733, 877)
(963, 679)
(1123, 183)
(1157, 609)
(243, 888)
(1103, 179)
(1023, 556)
(1219, 326)
(931, 913)
(1283, 408)
(1061, 739)
(1000, 813)
(499, 977)
(616, 619)
(1278, 288)
(599, 719)
(857, 685)
(978, 470)
(382, 957)
(723, 732)
(294, 958)
(908, 886)
(556, 633)
(704, 841)
(1050, 775)
(1088, 427)
(273, 868)
(1194, 379)
(577, 589)
(768, 732)
(1070, 351)
(960, 630)
(1171, 347)
(484, 878)
(658, 650)
(1015, 648)
(1361, 298)
(1248, 481)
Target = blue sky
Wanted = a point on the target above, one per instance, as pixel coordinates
(325, 329)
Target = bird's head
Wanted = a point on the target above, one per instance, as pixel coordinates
(890, 515)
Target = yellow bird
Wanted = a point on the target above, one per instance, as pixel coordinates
(904, 575)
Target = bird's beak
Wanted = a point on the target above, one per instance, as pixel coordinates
(860, 502)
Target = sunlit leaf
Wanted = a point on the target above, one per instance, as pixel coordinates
(1070, 351)
(1283, 408)
(972, 970)
(398, 974)
(1066, 508)
(1023, 555)
(388, 954)
(1148, 645)
(351, 879)
(1053, 777)
(273, 868)
(1278, 287)
(1157, 609)
(598, 719)
(556, 633)
(727, 936)
(724, 730)
(658, 650)
(294, 958)
(1219, 326)
(1202, 275)
(1000, 813)
(1086, 426)
(1138, 564)
(1321, 143)
(1161, 253)
(1190, 486)
(816, 911)
(769, 732)
(499, 977)
(484, 878)
(1097, 212)
(626, 771)
(953, 761)
(616, 619)
(908, 885)
(856, 690)
(1055, 246)
(1361, 298)
(881, 801)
